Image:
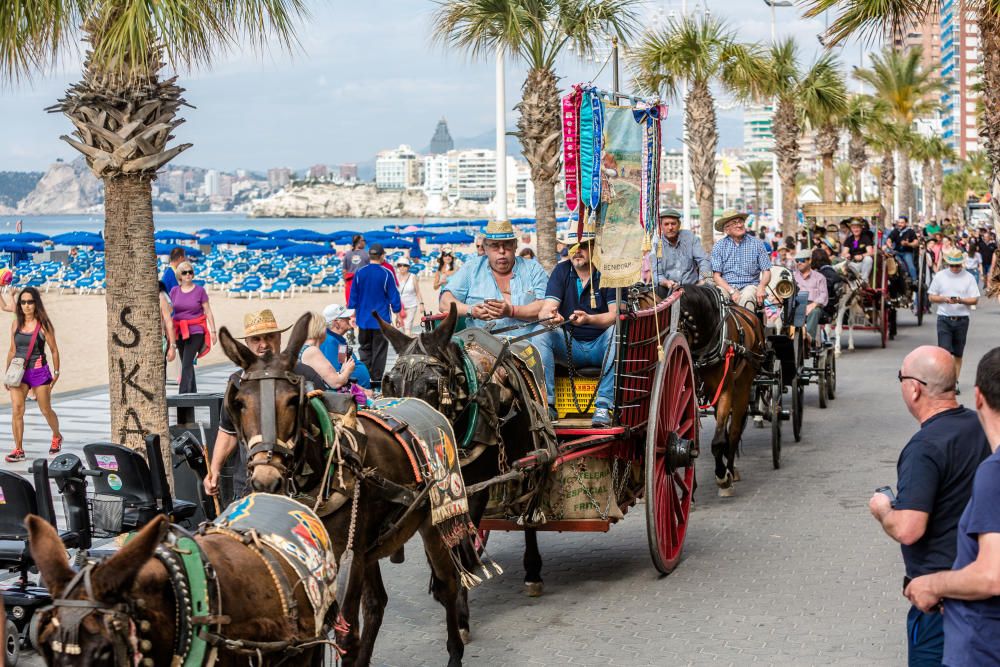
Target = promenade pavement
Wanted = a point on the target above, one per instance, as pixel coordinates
(792, 570)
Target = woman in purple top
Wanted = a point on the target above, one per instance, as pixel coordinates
(193, 320)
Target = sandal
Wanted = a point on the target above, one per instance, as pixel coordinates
(56, 445)
(15, 456)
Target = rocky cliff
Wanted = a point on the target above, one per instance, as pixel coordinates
(326, 200)
(66, 188)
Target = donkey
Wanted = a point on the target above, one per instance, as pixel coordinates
(727, 347)
(848, 304)
(429, 366)
(123, 610)
(359, 512)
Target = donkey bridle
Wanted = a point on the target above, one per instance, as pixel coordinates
(268, 441)
(412, 363)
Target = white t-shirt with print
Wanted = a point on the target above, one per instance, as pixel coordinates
(948, 283)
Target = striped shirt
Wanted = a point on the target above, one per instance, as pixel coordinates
(684, 262)
(740, 263)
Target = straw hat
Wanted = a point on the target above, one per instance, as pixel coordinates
(954, 257)
(260, 323)
(728, 216)
(499, 230)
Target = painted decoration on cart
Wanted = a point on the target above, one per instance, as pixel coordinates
(571, 146)
(619, 215)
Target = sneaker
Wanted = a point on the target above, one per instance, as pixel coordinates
(14, 456)
(602, 418)
(553, 414)
(56, 445)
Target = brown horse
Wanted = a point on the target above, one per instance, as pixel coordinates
(123, 610)
(376, 492)
(727, 347)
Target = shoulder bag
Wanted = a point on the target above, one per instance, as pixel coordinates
(15, 371)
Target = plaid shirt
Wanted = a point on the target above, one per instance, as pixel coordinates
(740, 263)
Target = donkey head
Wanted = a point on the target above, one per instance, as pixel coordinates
(94, 619)
(267, 407)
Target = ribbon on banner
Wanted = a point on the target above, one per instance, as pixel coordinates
(650, 117)
(586, 146)
(571, 146)
(597, 117)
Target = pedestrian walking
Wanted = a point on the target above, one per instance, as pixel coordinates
(970, 590)
(169, 278)
(353, 261)
(409, 296)
(987, 247)
(30, 333)
(447, 267)
(954, 290)
(194, 325)
(167, 324)
(934, 483)
(374, 291)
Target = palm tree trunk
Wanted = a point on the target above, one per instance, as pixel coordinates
(756, 198)
(135, 352)
(989, 130)
(786, 145)
(827, 142)
(703, 139)
(937, 176)
(887, 179)
(858, 158)
(926, 182)
(540, 134)
(906, 205)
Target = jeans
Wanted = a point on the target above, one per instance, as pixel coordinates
(187, 350)
(552, 345)
(812, 323)
(911, 266)
(863, 268)
(924, 638)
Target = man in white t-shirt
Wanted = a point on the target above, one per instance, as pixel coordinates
(954, 290)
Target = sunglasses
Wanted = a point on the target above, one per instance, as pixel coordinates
(901, 377)
(187, 273)
(27, 303)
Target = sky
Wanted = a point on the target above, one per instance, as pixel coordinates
(367, 77)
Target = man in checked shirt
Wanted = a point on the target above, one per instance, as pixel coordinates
(741, 266)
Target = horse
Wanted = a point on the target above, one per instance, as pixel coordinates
(371, 504)
(848, 303)
(125, 610)
(727, 349)
(430, 366)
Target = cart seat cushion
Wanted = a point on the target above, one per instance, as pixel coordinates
(592, 372)
(183, 509)
(12, 552)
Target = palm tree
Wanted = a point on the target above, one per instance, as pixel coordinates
(825, 113)
(910, 92)
(757, 171)
(124, 113)
(856, 121)
(845, 181)
(702, 52)
(536, 32)
(819, 87)
(940, 152)
(954, 194)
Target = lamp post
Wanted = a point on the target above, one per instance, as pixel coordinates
(501, 119)
(776, 202)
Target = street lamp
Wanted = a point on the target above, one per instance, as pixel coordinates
(775, 182)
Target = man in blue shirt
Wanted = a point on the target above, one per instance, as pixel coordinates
(934, 483)
(574, 293)
(177, 255)
(741, 267)
(679, 257)
(497, 287)
(338, 323)
(971, 589)
(374, 290)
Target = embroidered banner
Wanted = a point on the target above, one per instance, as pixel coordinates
(571, 147)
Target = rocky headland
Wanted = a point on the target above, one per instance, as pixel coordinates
(328, 200)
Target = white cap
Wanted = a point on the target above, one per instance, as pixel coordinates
(335, 311)
(403, 260)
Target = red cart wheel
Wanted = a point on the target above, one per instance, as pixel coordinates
(884, 319)
(671, 447)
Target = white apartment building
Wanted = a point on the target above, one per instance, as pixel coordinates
(436, 174)
(758, 141)
(212, 183)
(472, 174)
(398, 169)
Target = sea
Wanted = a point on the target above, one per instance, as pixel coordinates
(195, 222)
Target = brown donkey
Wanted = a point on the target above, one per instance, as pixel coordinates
(374, 506)
(123, 610)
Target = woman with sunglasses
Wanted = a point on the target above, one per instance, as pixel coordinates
(193, 320)
(447, 266)
(29, 334)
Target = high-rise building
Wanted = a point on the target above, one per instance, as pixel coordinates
(441, 142)
(278, 177)
(348, 172)
(960, 58)
(212, 183)
(436, 174)
(319, 171)
(472, 174)
(397, 169)
(758, 141)
(923, 33)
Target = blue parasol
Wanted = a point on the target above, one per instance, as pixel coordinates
(451, 237)
(171, 235)
(270, 244)
(17, 246)
(78, 238)
(305, 249)
(24, 237)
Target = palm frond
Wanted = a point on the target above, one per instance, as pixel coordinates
(868, 19)
(34, 34)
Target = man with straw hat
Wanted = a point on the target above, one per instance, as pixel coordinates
(574, 294)
(262, 335)
(679, 258)
(498, 287)
(741, 265)
(955, 291)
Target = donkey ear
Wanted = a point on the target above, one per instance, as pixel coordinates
(115, 576)
(441, 336)
(397, 338)
(298, 338)
(49, 554)
(239, 353)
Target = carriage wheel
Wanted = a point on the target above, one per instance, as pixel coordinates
(798, 404)
(774, 410)
(831, 378)
(821, 377)
(12, 644)
(883, 314)
(671, 446)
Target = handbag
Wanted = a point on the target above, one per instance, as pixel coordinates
(15, 371)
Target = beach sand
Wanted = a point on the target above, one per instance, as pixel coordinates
(84, 358)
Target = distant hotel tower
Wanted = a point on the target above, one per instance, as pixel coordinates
(441, 142)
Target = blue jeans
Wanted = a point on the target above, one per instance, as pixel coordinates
(552, 345)
(911, 265)
(924, 638)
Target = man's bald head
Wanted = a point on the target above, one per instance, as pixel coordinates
(935, 366)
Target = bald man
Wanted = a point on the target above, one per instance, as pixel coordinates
(934, 483)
